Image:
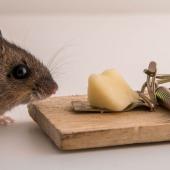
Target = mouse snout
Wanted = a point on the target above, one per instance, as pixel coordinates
(54, 87)
(51, 87)
(44, 87)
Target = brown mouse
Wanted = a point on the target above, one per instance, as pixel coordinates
(23, 78)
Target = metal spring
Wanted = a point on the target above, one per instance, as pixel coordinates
(163, 96)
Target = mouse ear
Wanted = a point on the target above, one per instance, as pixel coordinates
(2, 49)
(0, 34)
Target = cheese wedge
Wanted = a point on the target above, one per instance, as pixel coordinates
(109, 90)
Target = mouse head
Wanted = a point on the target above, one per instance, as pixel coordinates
(23, 77)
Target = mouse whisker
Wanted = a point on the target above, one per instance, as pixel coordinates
(59, 74)
(52, 59)
(58, 65)
(57, 56)
(64, 65)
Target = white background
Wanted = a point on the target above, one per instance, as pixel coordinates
(83, 6)
(86, 37)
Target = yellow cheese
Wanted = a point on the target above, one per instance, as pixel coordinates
(109, 90)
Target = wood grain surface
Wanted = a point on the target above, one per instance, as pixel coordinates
(70, 130)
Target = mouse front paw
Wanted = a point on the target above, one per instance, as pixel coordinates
(5, 120)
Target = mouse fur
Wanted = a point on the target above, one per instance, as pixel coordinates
(37, 84)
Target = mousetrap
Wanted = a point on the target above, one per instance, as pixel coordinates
(71, 123)
(70, 130)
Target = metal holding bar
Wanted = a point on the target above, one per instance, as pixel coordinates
(150, 86)
(155, 95)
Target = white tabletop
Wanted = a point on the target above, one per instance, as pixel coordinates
(89, 44)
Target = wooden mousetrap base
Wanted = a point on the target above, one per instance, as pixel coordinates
(70, 130)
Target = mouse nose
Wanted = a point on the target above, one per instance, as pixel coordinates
(46, 86)
(54, 87)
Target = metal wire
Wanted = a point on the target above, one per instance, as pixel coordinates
(163, 97)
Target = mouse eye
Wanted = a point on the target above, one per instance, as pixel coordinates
(20, 71)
